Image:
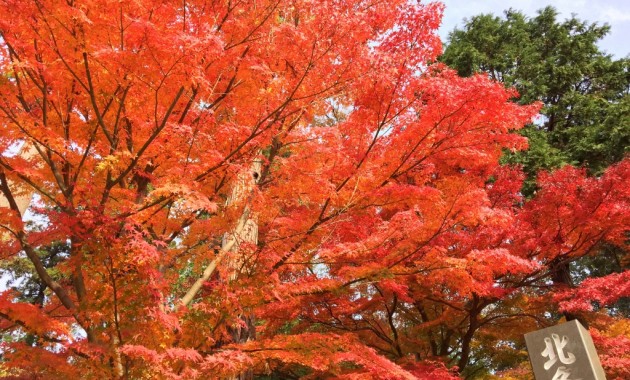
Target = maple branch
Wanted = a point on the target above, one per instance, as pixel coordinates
(46, 156)
(424, 318)
(274, 149)
(16, 121)
(21, 323)
(380, 126)
(55, 46)
(321, 219)
(449, 304)
(234, 151)
(273, 115)
(408, 155)
(92, 137)
(18, 80)
(390, 320)
(115, 133)
(84, 156)
(27, 71)
(232, 84)
(116, 339)
(256, 131)
(541, 321)
(378, 329)
(38, 188)
(191, 100)
(99, 117)
(32, 255)
(230, 8)
(473, 324)
(145, 146)
(251, 33)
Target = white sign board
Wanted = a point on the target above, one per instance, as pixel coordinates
(564, 352)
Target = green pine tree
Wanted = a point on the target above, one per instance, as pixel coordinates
(585, 119)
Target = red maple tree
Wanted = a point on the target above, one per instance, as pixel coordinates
(384, 240)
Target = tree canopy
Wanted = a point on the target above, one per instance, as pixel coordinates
(277, 190)
(585, 92)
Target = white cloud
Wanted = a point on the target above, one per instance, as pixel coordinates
(614, 16)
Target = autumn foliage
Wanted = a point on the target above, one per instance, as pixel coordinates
(391, 243)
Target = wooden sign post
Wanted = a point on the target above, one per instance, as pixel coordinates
(564, 352)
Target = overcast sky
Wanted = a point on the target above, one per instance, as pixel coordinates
(614, 12)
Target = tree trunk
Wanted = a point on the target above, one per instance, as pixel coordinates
(561, 277)
(246, 330)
